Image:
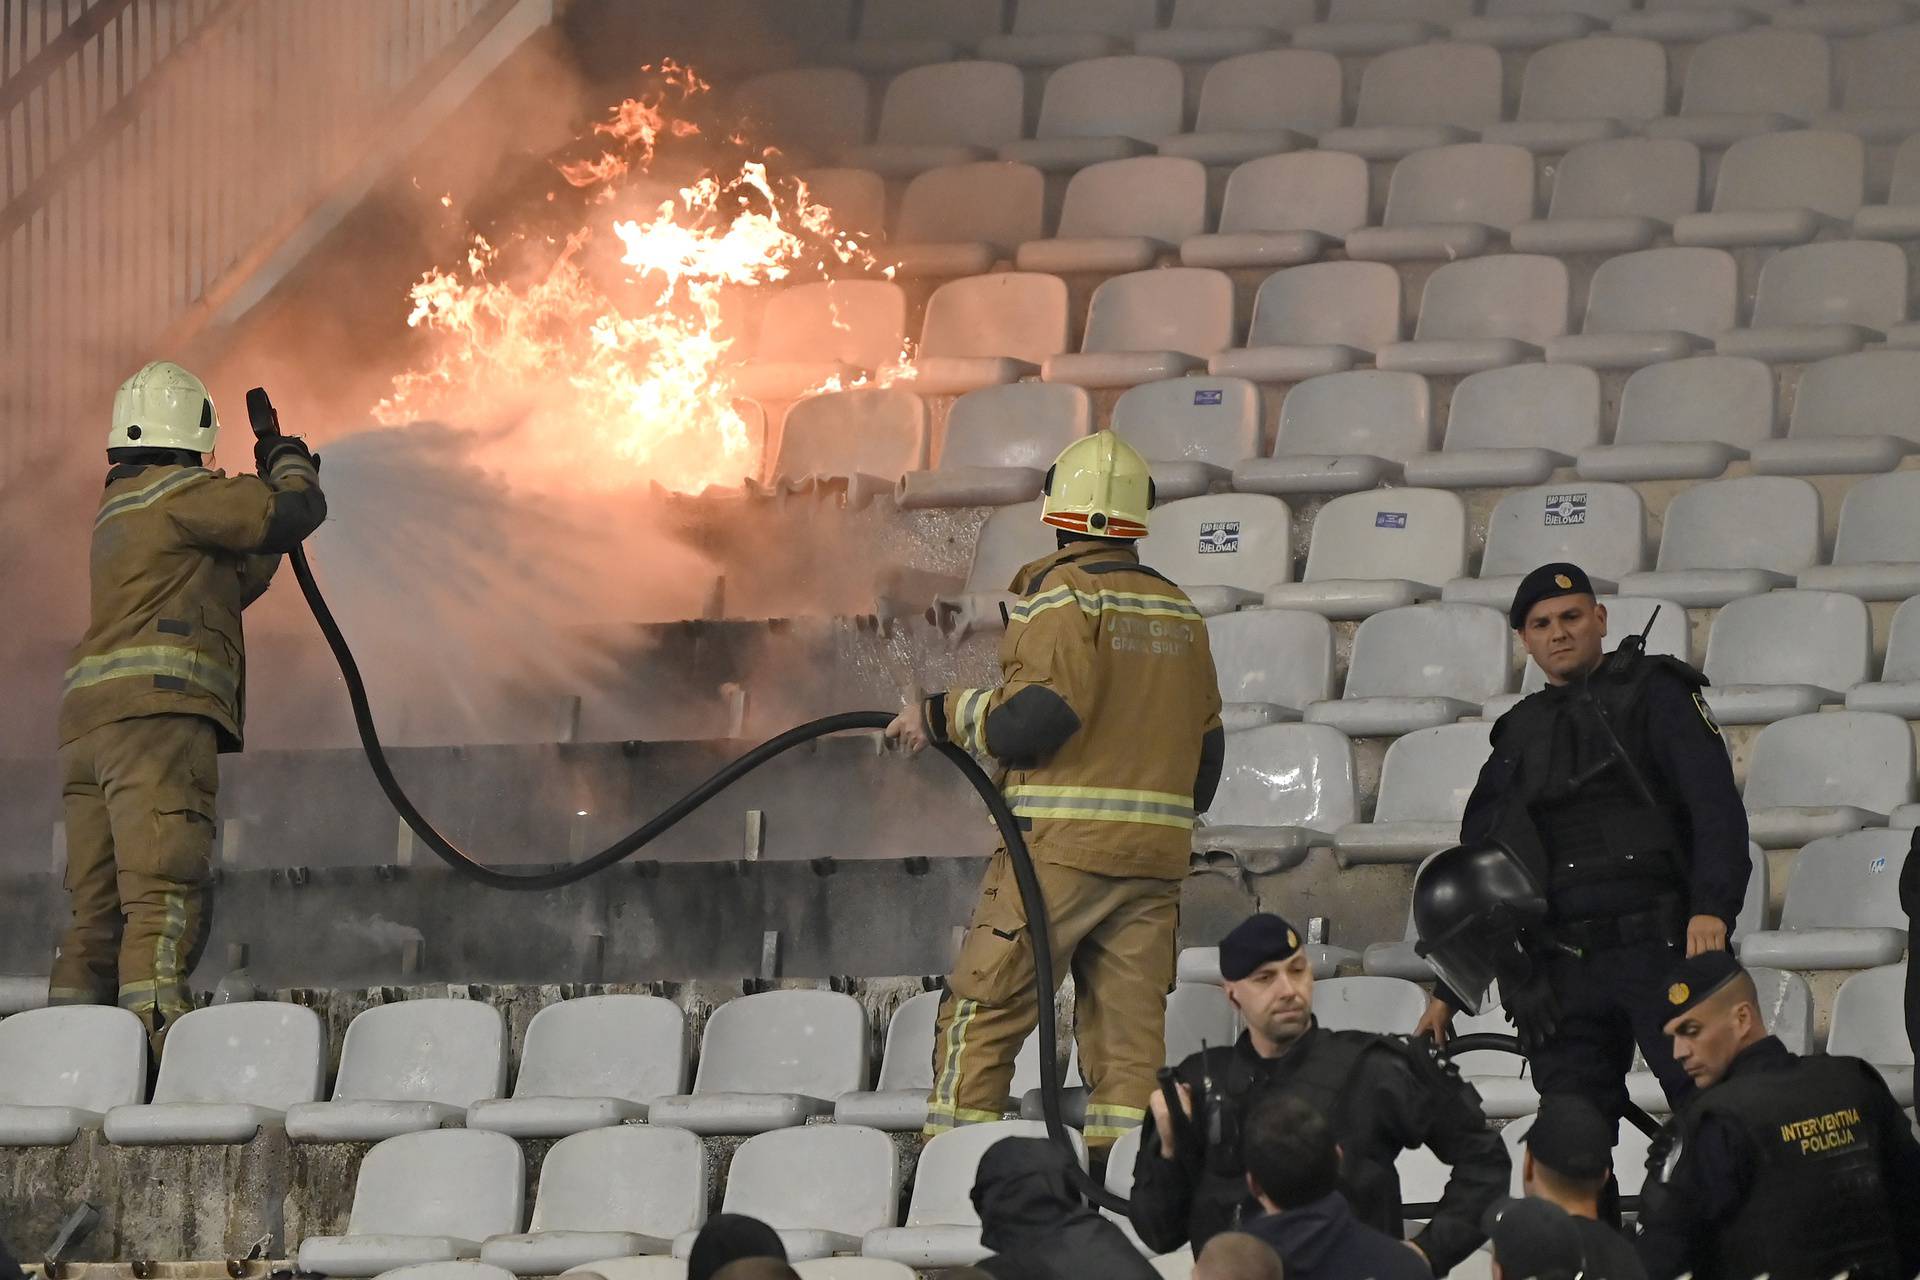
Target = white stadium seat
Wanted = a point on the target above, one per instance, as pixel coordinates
(1386, 1006)
(1826, 775)
(1271, 663)
(1821, 300)
(1203, 30)
(1750, 82)
(813, 334)
(1420, 666)
(898, 1101)
(1450, 202)
(850, 1268)
(1600, 527)
(770, 1061)
(1879, 97)
(1356, 27)
(229, 1071)
(1399, 959)
(1317, 319)
(1483, 313)
(1199, 1015)
(1781, 188)
(608, 1193)
(1786, 653)
(654, 1267)
(1343, 432)
(983, 331)
(1626, 616)
(1585, 90)
(1897, 692)
(407, 1066)
(1191, 430)
(1280, 812)
(591, 1062)
(1867, 1024)
(1655, 305)
(1851, 414)
(1122, 215)
(1011, 537)
(1379, 550)
(1148, 325)
(867, 438)
(1842, 910)
(1731, 538)
(1197, 965)
(1259, 104)
(1615, 196)
(913, 33)
(821, 1187)
(999, 443)
(1224, 549)
(1513, 426)
(1686, 420)
(1528, 24)
(856, 197)
(1899, 217)
(1285, 209)
(808, 109)
(942, 1227)
(961, 219)
(945, 114)
(1424, 784)
(1425, 96)
(424, 1197)
(1047, 33)
(63, 1068)
(1102, 109)
(461, 1269)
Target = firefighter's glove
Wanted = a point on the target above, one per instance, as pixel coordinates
(267, 448)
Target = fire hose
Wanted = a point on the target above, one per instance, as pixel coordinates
(266, 423)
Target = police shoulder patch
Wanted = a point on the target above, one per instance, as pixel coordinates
(1700, 705)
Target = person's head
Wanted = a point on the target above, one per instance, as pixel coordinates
(1099, 487)
(1534, 1240)
(1713, 1013)
(757, 1269)
(1562, 626)
(1289, 1152)
(1269, 979)
(162, 413)
(1569, 1154)
(1235, 1255)
(731, 1237)
(1023, 1191)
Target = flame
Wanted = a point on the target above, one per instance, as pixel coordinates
(630, 358)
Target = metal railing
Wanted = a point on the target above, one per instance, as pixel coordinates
(150, 150)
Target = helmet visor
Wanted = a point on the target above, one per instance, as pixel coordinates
(1464, 961)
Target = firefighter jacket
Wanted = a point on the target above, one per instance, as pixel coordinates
(178, 552)
(1107, 719)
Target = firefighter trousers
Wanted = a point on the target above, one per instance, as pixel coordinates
(1116, 936)
(139, 798)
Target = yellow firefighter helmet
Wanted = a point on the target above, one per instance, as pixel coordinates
(163, 407)
(1099, 485)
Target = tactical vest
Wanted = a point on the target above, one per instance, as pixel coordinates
(1817, 1206)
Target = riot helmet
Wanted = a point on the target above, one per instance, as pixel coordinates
(1471, 904)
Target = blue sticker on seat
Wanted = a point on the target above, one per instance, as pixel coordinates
(1219, 536)
(1389, 519)
(1565, 508)
(1208, 397)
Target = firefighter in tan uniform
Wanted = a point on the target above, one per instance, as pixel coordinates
(1107, 725)
(156, 689)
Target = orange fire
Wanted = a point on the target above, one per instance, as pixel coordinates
(597, 358)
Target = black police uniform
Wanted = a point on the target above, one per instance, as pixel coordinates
(1622, 878)
(1802, 1168)
(1910, 903)
(1383, 1094)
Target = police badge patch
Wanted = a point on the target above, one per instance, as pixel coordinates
(1700, 705)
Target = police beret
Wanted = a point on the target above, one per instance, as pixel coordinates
(1535, 1240)
(1697, 978)
(1257, 940)
(1570, 1136)
(1544, 583)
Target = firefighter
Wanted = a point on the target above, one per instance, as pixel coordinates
(1107, 725)
(156, 688)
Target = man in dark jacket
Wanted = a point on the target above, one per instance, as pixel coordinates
(1031, 1214)
(1293, 1170)
(1382, 1095)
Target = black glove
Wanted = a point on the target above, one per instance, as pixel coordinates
(1533, 1008)
(267, 448)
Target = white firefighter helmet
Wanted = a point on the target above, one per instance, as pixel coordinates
(163, 407)
(1099, 485)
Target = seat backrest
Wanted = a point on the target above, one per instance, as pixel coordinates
(1629, 616)
(1694, 291)
(1806, 169)
(1878, 73)
(943, 1183)
(1324, 191)
(1022, 424)
(1880, 522)
(1848, 882)
(813, 108)
(1656, 178)
(976, 104)
(1429, 773)
(1728, 399)
(1286, 775)
(1374, 412)
(1439, 11)
(806, 1042)
(856, 197)
(877, 431)
(1786, 1006)
(1354, 304)
(907, 1062)
(1389, 1006)
(1511, 295)
(1161, 197)
(1102, 17)
(1198, 419)
(618, 1046)
(1749, 522)
(1867, 1020)
(1862, 758)
(1599, 526)
(831, 1177)
(1026, 1066)
(1540, 406)
(1756, 71)
(993, 201)
(1481, 182)
(465, 1183)
(964, 21)
(1198, 1015)
(263, 1053)
(1011, 537)
(1456, 84)
(1020, 314)
(639, 1178)
(1459, 651)
(1271, 89)
(1864, 393)
(1278, 656)
(1591, 8)
(1821, 638)
(1416, 534)
(860, 322)
(451, 1051)
(1129, 95)
(1595, 78)
(92, 1057)
(1185, 309)
(1860, 282)
(1222, 540)
(1274, 15)
(1905, 186)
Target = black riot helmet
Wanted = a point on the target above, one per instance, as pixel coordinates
(1470, 904)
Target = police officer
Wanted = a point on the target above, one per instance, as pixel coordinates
(1383, 1095)
(1613, 788)
(1107, 723)
(157, 687)
(1799, 1168)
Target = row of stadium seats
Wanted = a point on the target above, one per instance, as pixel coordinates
(1259, 104)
